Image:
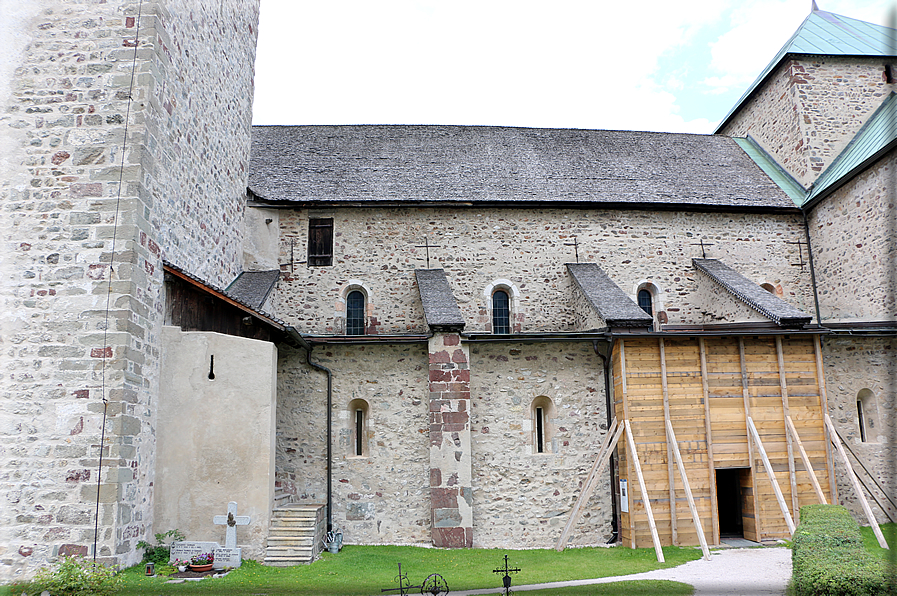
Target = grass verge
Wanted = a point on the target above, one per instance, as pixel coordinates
(871, 542)
(365, 570)
(644, 587)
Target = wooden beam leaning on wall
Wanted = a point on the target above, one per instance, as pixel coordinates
(783, 385)
(823, 405)
(789, 521)
(674, 523)
(705, 387)
(622, 344)
(604, 454)
(746, 395)
(633, 456)
(836, 441)
(806, 460)
(671, 441)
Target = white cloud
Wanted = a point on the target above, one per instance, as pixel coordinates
(759, 29)
(570, 63)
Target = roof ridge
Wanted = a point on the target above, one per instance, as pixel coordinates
(824, 22)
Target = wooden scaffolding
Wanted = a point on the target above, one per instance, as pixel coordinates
(746, 416)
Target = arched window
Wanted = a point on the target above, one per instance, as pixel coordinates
(355, 313)
(646, 301)
(358, 427)
(542, 411)
(501, 312)
(866, 414)
(539, 422)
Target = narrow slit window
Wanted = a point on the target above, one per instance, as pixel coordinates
(862, 420)
(645, 301)
(320, 242)
(540, 430)
(355, 313)
(359, 432)
(501, 312)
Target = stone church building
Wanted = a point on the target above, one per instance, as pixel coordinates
(430, 334)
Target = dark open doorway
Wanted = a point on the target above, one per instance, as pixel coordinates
(730, 498)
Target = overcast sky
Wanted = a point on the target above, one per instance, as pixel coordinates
(658, 65)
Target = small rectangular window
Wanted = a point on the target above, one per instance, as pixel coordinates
(320, 242)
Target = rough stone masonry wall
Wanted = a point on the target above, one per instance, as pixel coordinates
(853, 243)
(722, 306)
(810, 108)
(522, 498)
(477, 247)
(64, 106)
(383, 496)
(519, 498)
(585, 318)
(853, 364)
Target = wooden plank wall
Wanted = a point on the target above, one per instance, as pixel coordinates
(638, 396)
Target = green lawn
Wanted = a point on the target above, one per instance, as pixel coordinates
(365, 570)
(645, 587)
(871, 542)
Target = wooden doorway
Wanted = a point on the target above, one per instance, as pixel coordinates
(735, 498)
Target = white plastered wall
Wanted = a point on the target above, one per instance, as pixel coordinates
(215, 437)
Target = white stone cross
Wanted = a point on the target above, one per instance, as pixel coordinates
(232, 520)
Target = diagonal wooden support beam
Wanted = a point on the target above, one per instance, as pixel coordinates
(806, 460)
(671, 441)
(633, 456)
(674, 522)
(711, 471)
(783, 386)
(604, 454)
(772, 477)
(835, 439)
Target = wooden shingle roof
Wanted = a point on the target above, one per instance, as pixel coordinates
(361, 165)
(606, 298)
(752, 294)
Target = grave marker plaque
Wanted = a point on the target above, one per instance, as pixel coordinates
(227, 558)
(187, 549)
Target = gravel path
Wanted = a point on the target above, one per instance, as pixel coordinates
(741, 571)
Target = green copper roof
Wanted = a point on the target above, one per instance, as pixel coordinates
(877, 136)
(772, 169)
(826, 34)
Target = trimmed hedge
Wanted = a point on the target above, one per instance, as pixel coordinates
(828, 556)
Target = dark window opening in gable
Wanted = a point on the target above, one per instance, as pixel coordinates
(320, 242)
(355, 313)
(645, 301)
(501, 312)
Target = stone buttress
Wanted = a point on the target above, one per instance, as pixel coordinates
(451, 492)
(450, 459)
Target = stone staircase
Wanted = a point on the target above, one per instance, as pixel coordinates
(295, 533)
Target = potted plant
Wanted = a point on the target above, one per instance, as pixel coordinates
(202, 562)
(181, 564)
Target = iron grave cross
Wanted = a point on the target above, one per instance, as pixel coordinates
(506, 578)
(232, 520)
